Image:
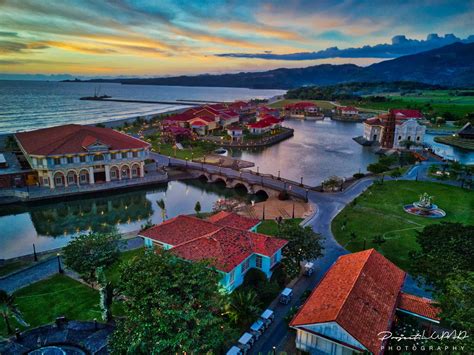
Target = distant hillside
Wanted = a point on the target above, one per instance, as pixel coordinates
(451, 65)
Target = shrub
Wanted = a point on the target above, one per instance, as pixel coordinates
(279, 276)
(254, 278)
(358, 175)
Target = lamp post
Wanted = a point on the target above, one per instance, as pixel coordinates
(307, 191)
(301, 183)
(258, 173)
(35, 257)
(293, 212)
(60, 269)
(169, 160)
(278, 175)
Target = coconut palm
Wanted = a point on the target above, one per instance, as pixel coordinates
(161, 204)
(8, 310)
(242, 307)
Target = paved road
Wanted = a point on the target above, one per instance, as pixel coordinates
(328, 205)
(46, 269)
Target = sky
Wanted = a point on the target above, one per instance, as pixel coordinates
(161, 37)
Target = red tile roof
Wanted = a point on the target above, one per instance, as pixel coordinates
(407, 113)
(267, 121)
(419, 305)
(73, 138)
(300, 105)
(228, 247)
(374, 121)
(180, 230)
(348, 108)
(223, 237)
(360, 293)
(229, 219)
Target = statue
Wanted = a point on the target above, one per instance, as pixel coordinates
(425, 201)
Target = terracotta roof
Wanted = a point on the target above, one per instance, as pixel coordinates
(300, 105)
(229, 219)
(374, 121)
(407, 113)
(419, 305)
(234, 128)
(359, 292)
(348, 108)
(180, 230)
(73, 138)
(267, 121)
(222, 238)
(198, 123)
(228, 247)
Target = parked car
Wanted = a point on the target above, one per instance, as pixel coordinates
(286, 295)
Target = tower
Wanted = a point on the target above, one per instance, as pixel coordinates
(388, 131)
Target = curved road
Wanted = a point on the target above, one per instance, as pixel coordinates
(328, 205)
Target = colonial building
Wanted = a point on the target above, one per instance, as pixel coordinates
(226, 239)
(74, 155)
(354, 302)
(390, 131)
(302, 109)
(347, 111)
(264, 124)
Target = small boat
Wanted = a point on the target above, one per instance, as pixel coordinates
(221, 151)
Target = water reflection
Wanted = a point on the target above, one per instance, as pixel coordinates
(51, 225)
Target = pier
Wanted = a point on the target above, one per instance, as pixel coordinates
(182, 103)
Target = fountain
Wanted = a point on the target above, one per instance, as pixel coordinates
(424, 208)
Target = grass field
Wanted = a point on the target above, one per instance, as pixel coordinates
(270, 227)
(467, 144)
(440, 101)
(59, 295)
(379, 211)
(321, 103)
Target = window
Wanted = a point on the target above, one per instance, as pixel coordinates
(232, 277)
(70, 160)
(83, 177)
(258, 261)
(70, 179)
(58, 180)
(35, 161)
(98, 157)
(245, 265)
(399, 137)
(57, 161)
(82, 158)
(113, 173)
(418, 139)
(119, 155)
(45, 181)
(135, 154)
(273, 259)
(134, 172)
(113, 156)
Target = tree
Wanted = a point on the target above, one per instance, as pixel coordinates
(303, 244)
(87, 252)
(378, 240)
(243, 307)
(197, 208)
(106, 294)
(161, 204)
(396, 173)
(171, 306)
(8, 310)
(445, 248)
(377, 168)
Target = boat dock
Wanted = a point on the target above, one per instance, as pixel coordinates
(140, 101)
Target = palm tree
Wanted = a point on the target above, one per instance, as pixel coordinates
(243, 306)
(8, 309)
(162, 206)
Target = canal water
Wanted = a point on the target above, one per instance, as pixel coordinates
(51, 225)
(318, 150)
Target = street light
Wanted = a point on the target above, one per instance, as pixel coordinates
(278, 174)
(301, 181)
(34, 253)
(60, 269)
(258, 171)
(307, 190)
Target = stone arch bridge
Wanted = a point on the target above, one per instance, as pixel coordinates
(232, 182)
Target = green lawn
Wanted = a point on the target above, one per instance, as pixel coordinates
(379, 211)
(8, 268)
(321, 103)
(57, 296)
(270, 227)
(440, 101)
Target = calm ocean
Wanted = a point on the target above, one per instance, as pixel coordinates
(26, 105)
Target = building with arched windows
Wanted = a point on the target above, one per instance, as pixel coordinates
(75, 155)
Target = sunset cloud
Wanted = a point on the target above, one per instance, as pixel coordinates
(169, 37)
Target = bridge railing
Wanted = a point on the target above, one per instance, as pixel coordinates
(267, 180)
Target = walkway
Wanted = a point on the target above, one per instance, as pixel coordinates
(46, 269)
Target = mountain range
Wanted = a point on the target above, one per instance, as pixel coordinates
(451, 65)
